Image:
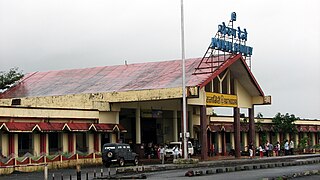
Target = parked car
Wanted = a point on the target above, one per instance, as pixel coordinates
(169, 150)
(113, 153)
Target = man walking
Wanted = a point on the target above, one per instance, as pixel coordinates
(291, 145)
(162, 154)
(286, 148)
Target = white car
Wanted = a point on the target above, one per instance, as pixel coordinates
(169, 150)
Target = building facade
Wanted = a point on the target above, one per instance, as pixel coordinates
(79, 110)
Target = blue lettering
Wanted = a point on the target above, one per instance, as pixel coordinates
(236, 47)
(233, 16)
(250, 50)
(229, 46)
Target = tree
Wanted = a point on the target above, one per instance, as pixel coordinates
(8, 78)
(285, 123)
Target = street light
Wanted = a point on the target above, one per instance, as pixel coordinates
(184, 101)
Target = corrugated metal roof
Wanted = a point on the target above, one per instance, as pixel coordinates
(142, 76)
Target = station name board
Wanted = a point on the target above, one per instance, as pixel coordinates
(237, 36)
(222, 100)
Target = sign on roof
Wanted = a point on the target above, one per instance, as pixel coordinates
(231, 40)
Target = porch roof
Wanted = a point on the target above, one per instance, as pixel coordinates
(54, 127)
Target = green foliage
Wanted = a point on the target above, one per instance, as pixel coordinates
(263, 136)
(8, 78)
(284, 123)
(303, 143)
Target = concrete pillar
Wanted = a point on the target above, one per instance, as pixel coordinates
(236, 116)
(252, 127)
(175, 125)
(203, 132)
(90, 142)
(190, 116)
(16, 148)
(277, 138)
(296, 139)
(47, 141)
(287, 135)
(36, 144)
(117, 117)
(138, 126)
(5, 144)
(245, 139)
(219, 141)
(113, 137)
(64, 139)
(232, 140)
(99, 142)
(224, 143)
(313, 138)
(257, 140)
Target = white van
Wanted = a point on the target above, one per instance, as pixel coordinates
(170, 148)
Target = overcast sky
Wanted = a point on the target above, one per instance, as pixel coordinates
(42, 35)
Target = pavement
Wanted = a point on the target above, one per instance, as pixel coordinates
(219, 164)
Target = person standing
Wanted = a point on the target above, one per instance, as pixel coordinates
(286, 148)
(162, 154)
(250, 147)
(176, 152)
(266, 147)
(291, 145)
(277, 148)
(270, 147)
(261, 151)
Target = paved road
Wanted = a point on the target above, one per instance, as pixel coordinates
(59, 172)
(238, 175)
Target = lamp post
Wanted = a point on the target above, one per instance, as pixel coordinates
(184, 101)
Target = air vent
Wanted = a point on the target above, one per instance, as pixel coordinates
(16, 102)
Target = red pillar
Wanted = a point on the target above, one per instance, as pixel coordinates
(11, 143)
(70, 142)
(96, 142)
(252, 127)
(43, 143)
(236, 116)
(203, 132)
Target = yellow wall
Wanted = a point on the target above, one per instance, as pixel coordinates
(4, 144)
(36, 144)
(244, 99)
(64, 140)
(16, 144)
(90, 140)
(47, 113)
(98, 101)
(109, 117)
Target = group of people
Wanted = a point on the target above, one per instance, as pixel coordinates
(269, 149)
(153, 151)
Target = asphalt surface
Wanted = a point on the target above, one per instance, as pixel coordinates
(180, 172)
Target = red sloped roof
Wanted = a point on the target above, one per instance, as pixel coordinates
(152, 75)
(103, 127)
(48, 127)
(77, 126)
(19, 126)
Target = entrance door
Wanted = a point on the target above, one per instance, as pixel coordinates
(149, 130)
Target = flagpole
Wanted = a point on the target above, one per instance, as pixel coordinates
(184, 106)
